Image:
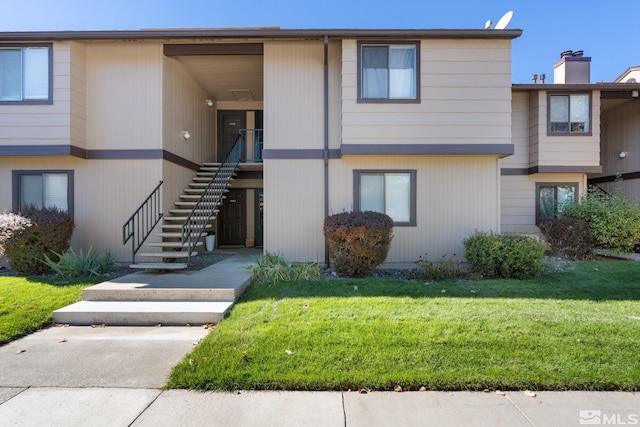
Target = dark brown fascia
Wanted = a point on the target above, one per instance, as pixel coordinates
(604, 87)
(268, 32)
(551, 169)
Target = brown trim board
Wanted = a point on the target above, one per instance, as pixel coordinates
(213, 49)
(551, 169)
(614, 178)
(437, 149)
(72, 150)
(300, 154)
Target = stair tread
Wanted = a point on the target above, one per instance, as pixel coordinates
(145, 306)
(167, 254)
(171, 244)
(159, 266)
(179, 226)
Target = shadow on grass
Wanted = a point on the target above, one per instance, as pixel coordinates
(587, 280)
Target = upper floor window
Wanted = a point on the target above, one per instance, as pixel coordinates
(388, 72)
(43, 189)
(392, 192)
(570, 113)
(25, 74)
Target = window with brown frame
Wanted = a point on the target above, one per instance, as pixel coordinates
(389, 72)
(569, 113)
(551, 198)
(388, 191)
(26, 74)
(43, 188)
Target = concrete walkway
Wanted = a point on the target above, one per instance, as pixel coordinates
(113, 376)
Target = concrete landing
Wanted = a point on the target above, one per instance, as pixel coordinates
(175, 298)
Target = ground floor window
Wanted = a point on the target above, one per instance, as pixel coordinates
(43, 189)
(388, 191)
(552, 198)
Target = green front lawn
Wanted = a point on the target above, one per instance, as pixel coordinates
(27, 303)
(578, 329)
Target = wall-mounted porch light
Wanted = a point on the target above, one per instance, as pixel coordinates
(622, 154)
(209, 102)
(186, 134)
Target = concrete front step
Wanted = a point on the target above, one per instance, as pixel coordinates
(142, 313)
(159, 266)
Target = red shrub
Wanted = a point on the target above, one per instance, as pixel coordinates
(358, 241)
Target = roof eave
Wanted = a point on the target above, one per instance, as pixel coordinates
(268, 32)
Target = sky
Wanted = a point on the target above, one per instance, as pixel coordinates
(607, 31)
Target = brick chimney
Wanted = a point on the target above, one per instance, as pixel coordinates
(572, 67)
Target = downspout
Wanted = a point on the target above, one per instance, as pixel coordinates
(325, 151)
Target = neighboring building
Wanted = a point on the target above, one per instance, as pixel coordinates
(422, 124)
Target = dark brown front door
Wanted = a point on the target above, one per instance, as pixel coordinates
(229, 125)
(233, 218)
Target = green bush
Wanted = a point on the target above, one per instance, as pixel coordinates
(446, 268)
(614, 220)
(358, 241)
(273, 268)
(493, 255)
(50, 232)
(569, 237)
(71, 265)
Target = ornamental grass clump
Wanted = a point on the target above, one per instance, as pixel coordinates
(40, 232)
(272, 268)
(358, 241)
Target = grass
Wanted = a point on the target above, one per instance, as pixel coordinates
(27, 303)
(572, 330)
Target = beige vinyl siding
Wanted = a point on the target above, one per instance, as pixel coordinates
(184, 108)
(568, 150)
(78, 95)
(293, 94)
(335, 94)
(44, 124)
(455, 196)
(465, 98)
(518, 199)
(621, 132)
(519, 132)
(534, 126)
(294, 209)
(124, 82)
(100, 205)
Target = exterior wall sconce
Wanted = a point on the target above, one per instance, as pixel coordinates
(186, 135)
(622, 154)
(209, 102)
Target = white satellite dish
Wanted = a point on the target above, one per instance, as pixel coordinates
(504, 21)
(487, 25)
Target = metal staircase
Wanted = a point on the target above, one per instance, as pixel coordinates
(185, 226)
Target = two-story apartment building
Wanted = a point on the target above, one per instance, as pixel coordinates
(421, 124)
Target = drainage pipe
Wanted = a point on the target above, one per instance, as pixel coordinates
(325, 151)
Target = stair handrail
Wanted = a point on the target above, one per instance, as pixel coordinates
(140, 224)
(194, 225)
